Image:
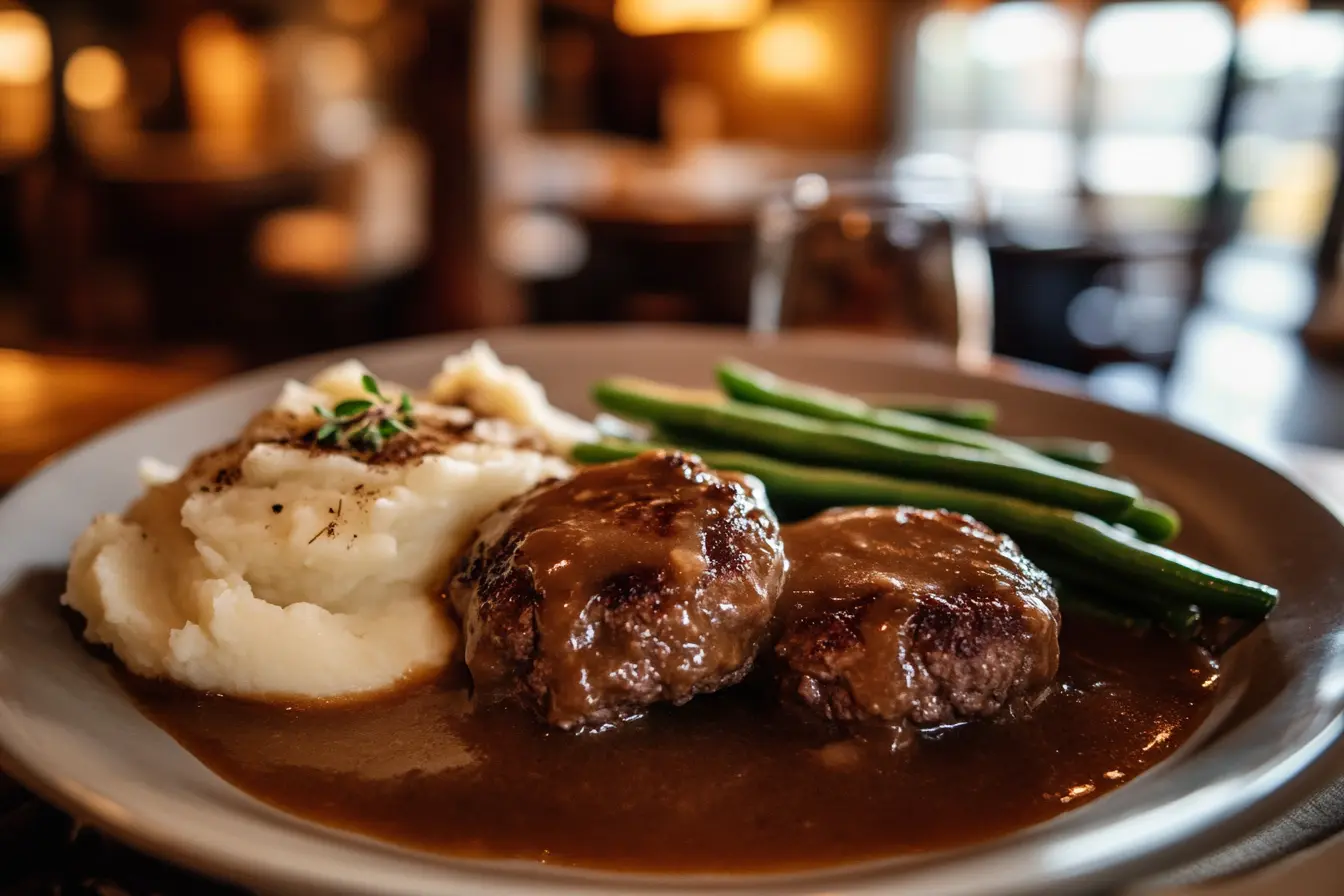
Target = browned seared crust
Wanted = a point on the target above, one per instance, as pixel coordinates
(647, 580)
(899, 614)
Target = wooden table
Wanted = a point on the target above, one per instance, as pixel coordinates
(49, 403)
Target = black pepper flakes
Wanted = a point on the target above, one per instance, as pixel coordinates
(276, 508)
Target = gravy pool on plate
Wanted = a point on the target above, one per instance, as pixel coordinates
(727, 782)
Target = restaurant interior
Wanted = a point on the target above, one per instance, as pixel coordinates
(1143, 193)
(1142, 200)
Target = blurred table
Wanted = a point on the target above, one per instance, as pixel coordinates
(1315, 871)
(49, 403)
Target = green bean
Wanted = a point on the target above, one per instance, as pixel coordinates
(1073, 599)
(1109, 549)
(795, 437)
(1180, 619)
(689, 440)
(1152, 520)
(941, 420)
(761, 387)
(967, 412)
(1080, 453)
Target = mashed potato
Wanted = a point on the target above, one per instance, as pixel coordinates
(271, 568)
(478, 380)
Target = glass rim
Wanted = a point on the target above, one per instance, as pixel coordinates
(945, 197)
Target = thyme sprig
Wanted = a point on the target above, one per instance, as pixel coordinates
(364, 424)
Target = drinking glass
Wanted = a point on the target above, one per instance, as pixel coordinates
(898, 254)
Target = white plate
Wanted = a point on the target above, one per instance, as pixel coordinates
(73, 736)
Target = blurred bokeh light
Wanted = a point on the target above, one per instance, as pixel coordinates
(645, 17)
(1128, 190)
(95, 78)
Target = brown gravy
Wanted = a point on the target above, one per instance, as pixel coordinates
(728, 782)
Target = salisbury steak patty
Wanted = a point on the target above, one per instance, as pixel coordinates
(898, 614)
(633, 582)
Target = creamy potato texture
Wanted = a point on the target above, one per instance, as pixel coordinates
(272, 568)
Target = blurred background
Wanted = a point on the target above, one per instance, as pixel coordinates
(191, 188)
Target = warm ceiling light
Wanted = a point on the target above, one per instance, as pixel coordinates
(789, 50)
(25, 47)
(356, 12)
(644, 17)
(305, 242)
(337, 65)
(95, 78)
(224, 79)
(1250, 9)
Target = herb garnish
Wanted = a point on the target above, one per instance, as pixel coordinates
(364, 424)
